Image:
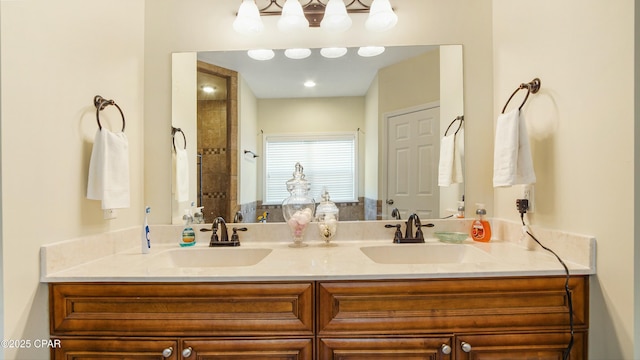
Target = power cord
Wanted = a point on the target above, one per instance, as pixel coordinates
(523, 206)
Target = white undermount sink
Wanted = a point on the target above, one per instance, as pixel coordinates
(209, 257)
(425, 254)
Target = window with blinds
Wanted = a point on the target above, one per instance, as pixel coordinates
(329, 160)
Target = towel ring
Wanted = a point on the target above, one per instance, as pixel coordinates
(101, 103)
(532, 88)
(174, 130)
(461, 118)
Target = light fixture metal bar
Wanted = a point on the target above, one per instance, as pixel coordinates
(273, 7)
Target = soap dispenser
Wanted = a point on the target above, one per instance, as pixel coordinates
(480, 228)
(198, 216)
(327, 218)
(188, 237)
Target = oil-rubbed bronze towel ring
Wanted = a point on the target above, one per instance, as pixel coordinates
(461, 118)
(532, 88)
(100, 103)
(174, 130)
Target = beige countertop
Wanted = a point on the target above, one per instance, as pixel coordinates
(116, 257)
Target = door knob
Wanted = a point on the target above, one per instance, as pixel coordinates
(389, 201)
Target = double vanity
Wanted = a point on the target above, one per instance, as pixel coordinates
(362, 298)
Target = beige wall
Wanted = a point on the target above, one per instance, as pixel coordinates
(582, 125)
(402, 87)
(56, 56)
(249, 140)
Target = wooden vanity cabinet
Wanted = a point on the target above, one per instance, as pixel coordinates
(436, 319)
(497, 318)
(201, 320)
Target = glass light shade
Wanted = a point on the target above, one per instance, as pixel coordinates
(297, 54)
(292, 17)
(261, 54)
(334, 52)
(381, 16)
(369, 51)
(335, 18)
(248, 19)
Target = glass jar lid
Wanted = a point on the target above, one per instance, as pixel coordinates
(298, 181)
(326, 206)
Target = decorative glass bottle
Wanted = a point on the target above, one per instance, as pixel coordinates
(327, 218)
(298, 208)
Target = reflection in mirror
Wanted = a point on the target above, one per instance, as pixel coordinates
(394, 107)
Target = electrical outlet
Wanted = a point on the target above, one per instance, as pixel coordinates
(110, 214)
(528, 193)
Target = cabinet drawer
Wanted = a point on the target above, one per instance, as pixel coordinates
(250, 349)
(115, 348)
(521, 346)
(428, 348)
(449, 305)
(198, 309)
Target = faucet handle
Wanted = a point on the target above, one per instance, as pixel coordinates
(234, 236)
(398, 234)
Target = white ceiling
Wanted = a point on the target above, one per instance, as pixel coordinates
(282, 77)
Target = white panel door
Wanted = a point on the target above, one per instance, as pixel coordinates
(412, 163)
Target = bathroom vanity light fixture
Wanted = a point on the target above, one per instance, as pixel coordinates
(261, 54)
(333, 52)
(330, 15)
(297, 54)
(370, 51)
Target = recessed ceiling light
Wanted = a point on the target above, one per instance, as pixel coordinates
(261, 54)
(309, 83)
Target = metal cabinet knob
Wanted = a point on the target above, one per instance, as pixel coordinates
(446, 349)
(390, 201)
(187, 352)
(466, 347)
(167, 352)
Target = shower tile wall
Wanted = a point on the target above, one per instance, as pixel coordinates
(212, 144)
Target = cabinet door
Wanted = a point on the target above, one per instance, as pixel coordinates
(524, 346)
(432, 348)
(258, 349)
(112, 349)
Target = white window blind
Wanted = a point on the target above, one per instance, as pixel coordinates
(328, 160)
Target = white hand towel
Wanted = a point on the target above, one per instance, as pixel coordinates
(512, 163)
(181, 175)
(450, 165)
(458, 157)
(109, 170)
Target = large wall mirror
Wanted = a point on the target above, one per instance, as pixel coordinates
(369, 131)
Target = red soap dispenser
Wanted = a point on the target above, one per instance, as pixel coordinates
(480, 228)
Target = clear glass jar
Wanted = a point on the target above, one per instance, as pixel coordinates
(298, 208)
(327, 218)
